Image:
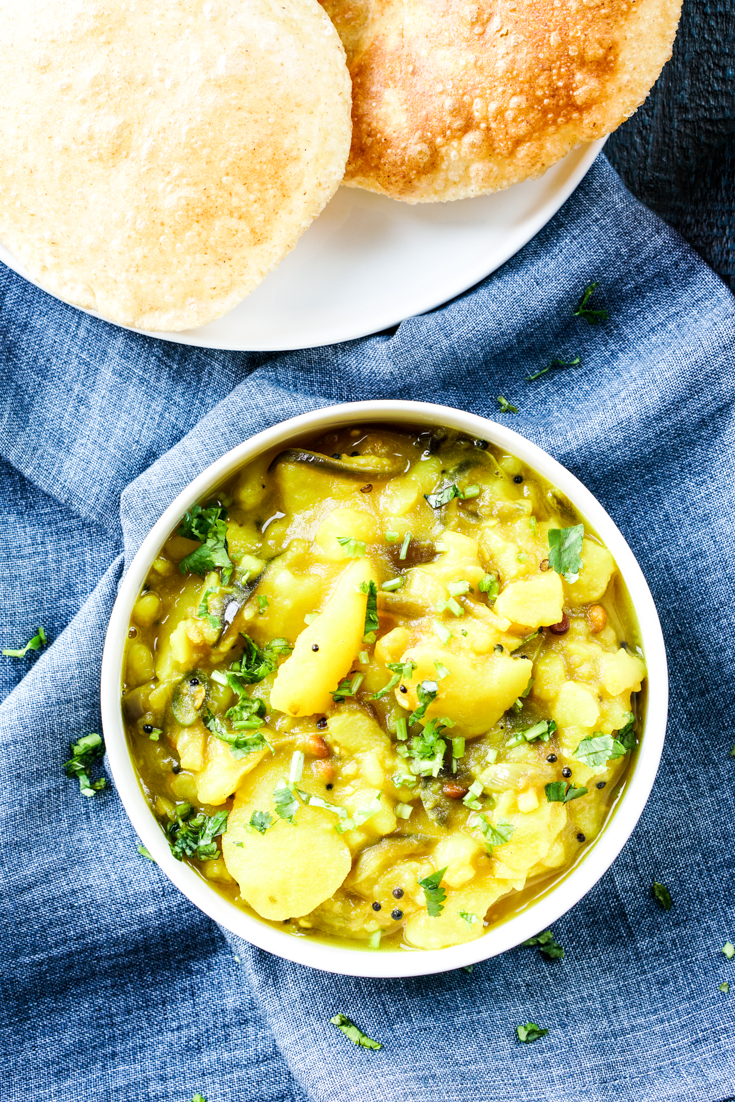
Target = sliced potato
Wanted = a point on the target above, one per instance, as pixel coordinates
(477, 690)
(594, 576)
(576, 706)
(292, 868)
(621, 672)
(221, 772)
(450, 927)
(325, 651)
(356, 523)
(533, 602)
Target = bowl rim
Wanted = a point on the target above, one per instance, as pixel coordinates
(556, 900)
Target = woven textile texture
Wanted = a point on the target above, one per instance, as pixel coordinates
(114, 986)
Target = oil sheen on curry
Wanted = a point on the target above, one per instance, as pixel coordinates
(379, 687)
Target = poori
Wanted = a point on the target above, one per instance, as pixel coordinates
(160, 158)
(455, 98)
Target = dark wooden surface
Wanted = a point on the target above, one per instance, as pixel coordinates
(677, 153)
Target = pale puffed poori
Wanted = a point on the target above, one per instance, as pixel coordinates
(160, 158)
(455, 98)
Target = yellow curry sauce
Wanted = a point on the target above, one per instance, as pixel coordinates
(379, 687)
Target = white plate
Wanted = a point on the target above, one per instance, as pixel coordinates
(369, 262)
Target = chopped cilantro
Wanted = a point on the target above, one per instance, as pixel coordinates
(155, 734)
(426, 692)
(585, 311)
(392, 584)
(505, 405)
(553, 364)
(371, 611)
(374, 939)
(530, 1032)
(626, 734)
(396, 677)
(145, 852)
(405, 669)
(547, 944)
(263, 602)
(261, 820)
(441, 670)
(597, 750)
(207, 526)
(662, 895)
(459, 588)
(256, 662)
(347, 688)
(495, 835)
(39, 640)
(724, 988)
(435, 894)
(404, 546)
(490, 585)
(565, 546)
(470, 919)
(561, 792)
(83, 752)
(240, 743)
(443, 497)
(203, 612)
(353, 549)
(352, 1032)
(443, 632)
(285, 802)
(728, 949)
(542, 730)
(191, 834)
(200, 1097)
(472, 798)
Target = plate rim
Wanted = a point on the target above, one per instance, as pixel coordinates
(585, 152)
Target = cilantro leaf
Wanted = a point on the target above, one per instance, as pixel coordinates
(724, 988)
(505, 405)
(443, 497)
(371, 611)
(470, 918)
(83, 752)
(561, 792)
(395, 678)
(427, 750)
(435, 895)
(256, 662)
(585, 311)
(144, 852)
(261, 820)
(426, 692)
(626, 734)
(198, 1098)
(554, 363)
(547, 944)
(285, 802)
(207, 526)
(565, 546)
(353, 1033)
(240, 744)
(662, 895)
(598, 750)
(530, 1032)
(39, 640)
(193, 834)
(203, 612)
(495, 835)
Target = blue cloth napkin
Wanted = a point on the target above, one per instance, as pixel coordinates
(114, 985)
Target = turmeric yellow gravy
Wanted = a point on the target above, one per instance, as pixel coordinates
(381, 687)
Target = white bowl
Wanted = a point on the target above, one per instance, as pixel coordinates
(557, 899)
